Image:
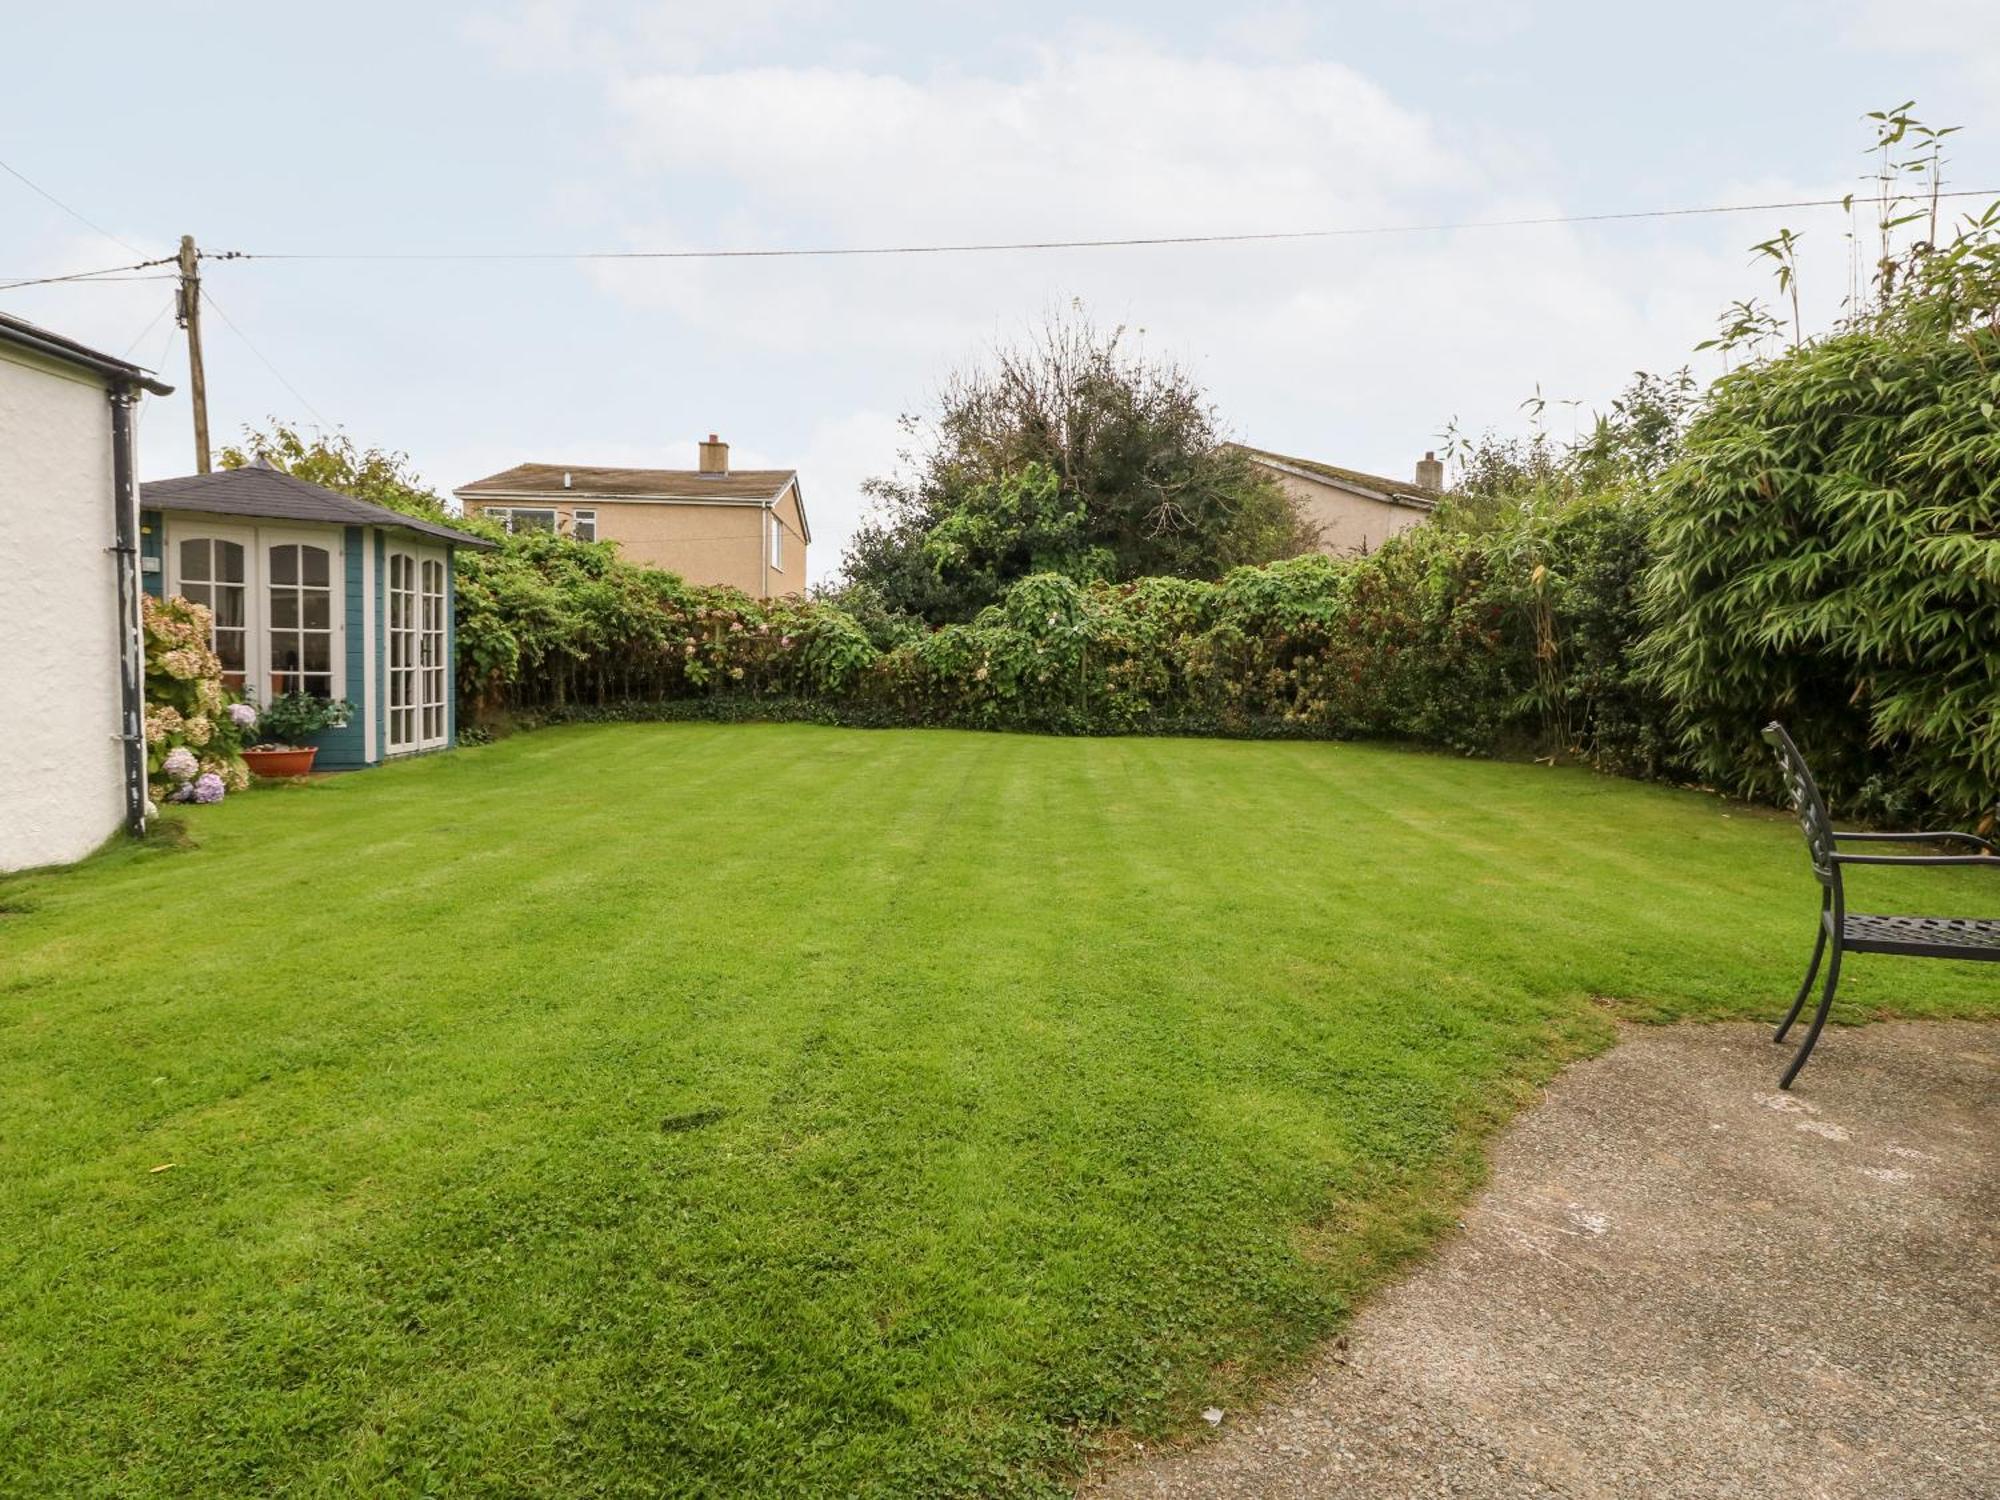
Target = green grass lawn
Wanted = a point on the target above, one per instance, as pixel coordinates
(782, 1110)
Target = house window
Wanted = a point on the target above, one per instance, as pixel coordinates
(777, 544)
(300, 580)
(516, 519)
(584, 527)
(212, 573)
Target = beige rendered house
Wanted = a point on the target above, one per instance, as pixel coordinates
(1355, 512)
(744, 528)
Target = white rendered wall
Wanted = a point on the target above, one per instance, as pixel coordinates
(61, 781)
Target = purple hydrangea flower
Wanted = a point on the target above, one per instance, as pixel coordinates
(179, 764)
(242, 715)
(182, 793)
(208, 787)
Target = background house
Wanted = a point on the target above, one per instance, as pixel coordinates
(72, 757)
(315, 592)
(745, 528)
(1355, 512)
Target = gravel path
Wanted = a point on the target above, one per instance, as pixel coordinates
(1680, 1283)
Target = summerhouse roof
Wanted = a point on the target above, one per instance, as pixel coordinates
(275, 495)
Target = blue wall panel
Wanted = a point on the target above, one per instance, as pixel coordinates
(152, 545)
(346, 749)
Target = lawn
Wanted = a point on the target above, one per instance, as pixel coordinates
(783, 1110)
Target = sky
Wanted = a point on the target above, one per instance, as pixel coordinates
(545, 127)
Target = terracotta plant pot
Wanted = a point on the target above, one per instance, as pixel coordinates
(278, 763)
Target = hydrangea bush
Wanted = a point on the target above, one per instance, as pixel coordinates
(193, 731)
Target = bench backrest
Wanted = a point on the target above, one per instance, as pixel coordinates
(1806, 801)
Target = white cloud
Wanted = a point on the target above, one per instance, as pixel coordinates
(1352, 349)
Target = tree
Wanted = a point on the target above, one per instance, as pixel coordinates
(335, 462)
(1067, 453)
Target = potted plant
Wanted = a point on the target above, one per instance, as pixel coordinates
(283, 723)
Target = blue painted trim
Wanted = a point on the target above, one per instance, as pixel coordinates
(153, 547)
(346, 749)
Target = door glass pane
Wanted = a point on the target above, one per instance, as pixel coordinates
(284, 609)
(318, 653)
(229, 562)
(194, 559)
(228, 606)
(284, 565)
(318, 609)
(194, 593)
(314, 566)
(229, 646)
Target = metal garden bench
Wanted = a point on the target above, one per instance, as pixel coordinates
(1975, 938)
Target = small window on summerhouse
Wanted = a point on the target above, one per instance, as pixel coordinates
(301, 598)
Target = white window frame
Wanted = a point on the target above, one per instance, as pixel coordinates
(505, 515)
(777, 542)
(579, 520)
(253, 580)
(335, 547)
(256, 542)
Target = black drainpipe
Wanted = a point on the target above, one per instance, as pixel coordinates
(131, 641)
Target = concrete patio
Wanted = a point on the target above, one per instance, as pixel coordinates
(1679, 1282)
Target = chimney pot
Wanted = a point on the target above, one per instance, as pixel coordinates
(714, 456)
(1430, 473)
(565, 478)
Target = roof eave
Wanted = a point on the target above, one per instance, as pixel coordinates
(56, 347)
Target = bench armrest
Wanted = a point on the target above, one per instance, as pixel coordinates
(1991, 862)
(1943, 837)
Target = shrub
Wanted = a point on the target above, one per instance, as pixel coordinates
(193, 731)
(1829, 554)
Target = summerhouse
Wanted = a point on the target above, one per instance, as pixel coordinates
(317, 592)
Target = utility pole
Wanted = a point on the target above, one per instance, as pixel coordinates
(188, 312)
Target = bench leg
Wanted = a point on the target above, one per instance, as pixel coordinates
(1818, 1020)
(1805, 987)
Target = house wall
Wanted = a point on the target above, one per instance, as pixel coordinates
(61, 777)
(725, 545)
(791, 578)
(1349, 523)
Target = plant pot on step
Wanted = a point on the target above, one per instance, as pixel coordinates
(281, 760)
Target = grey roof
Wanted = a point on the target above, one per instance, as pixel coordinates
(25, 335)
(1373, 486)
(276, 495)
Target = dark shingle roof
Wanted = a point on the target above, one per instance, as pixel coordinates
(25, 335)
(1402, 490)
(276, 495)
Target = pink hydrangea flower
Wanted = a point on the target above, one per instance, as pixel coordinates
(179, 764)
(208, 788)
(242, 715)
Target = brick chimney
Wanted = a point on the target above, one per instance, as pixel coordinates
(1430, 473)
(714, 456)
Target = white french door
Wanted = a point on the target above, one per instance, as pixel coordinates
(419, 669)
(402, 644)
(434, 665)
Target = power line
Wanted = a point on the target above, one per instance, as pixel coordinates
(149, 327)
(985, 246)
(108, 274)
(264, 361)
(51, 197)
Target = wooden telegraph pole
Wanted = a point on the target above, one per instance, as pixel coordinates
(188, 312)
